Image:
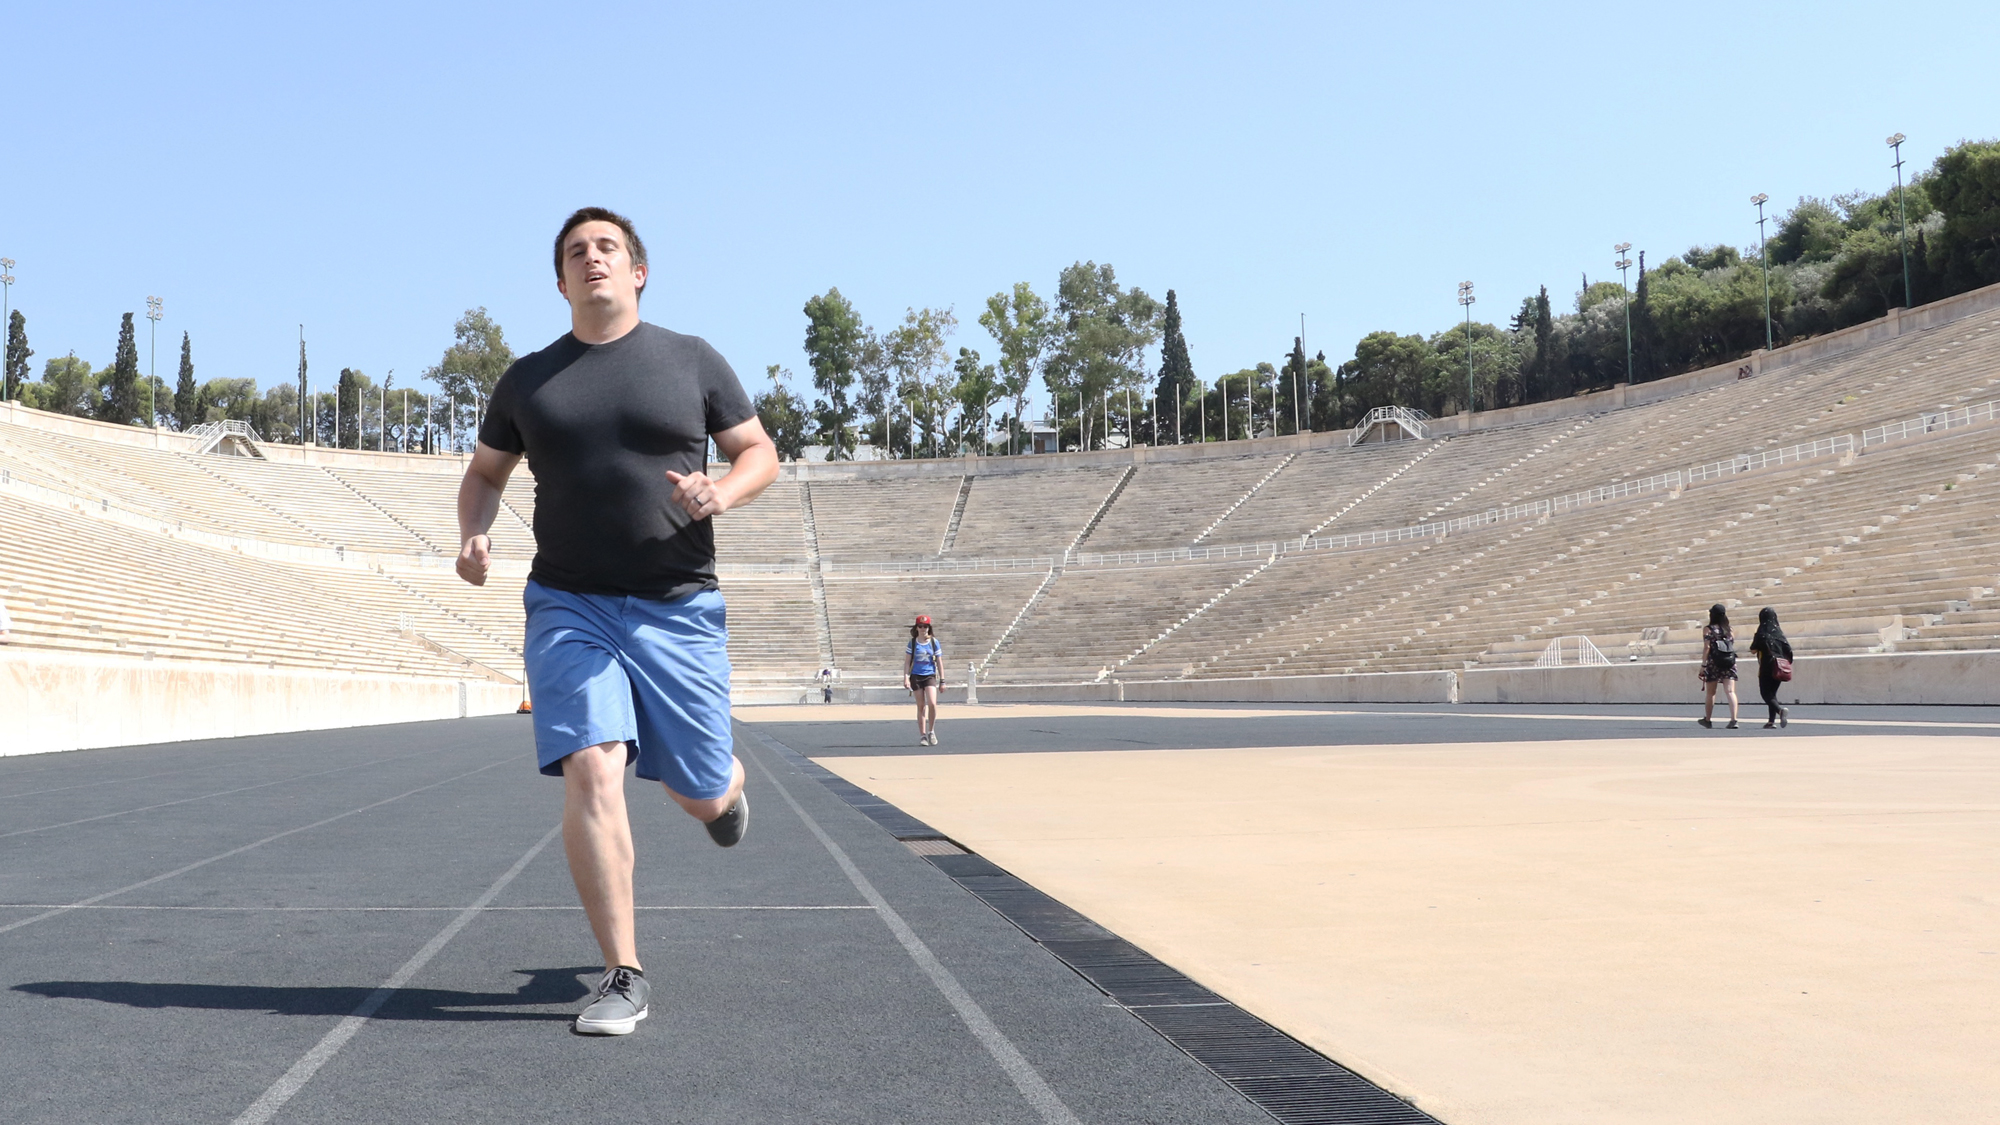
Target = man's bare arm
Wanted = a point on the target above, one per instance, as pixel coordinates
(478, 502)
(753, 465)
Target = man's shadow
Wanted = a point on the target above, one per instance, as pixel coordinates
(543, 987)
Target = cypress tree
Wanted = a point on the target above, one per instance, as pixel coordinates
(121, 392)
(1645, 340)
(1539, 382)
(16, 369)
(187, 397)
(1176, 371)
(304, 406)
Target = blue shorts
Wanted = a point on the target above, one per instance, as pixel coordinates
(651, 674)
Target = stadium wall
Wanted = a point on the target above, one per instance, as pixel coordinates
(1884, 679)
(54, 703)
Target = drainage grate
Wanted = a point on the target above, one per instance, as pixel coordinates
(1285, 1078)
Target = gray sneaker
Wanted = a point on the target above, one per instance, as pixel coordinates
(727, 829)
(619, 1006)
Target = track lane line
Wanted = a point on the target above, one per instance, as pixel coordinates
(301, 1072)
(1023, 1074)
(95, 899)
(206, 796)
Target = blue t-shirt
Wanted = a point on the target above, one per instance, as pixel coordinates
(924, 657)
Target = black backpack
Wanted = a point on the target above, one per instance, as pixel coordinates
(1722, 653)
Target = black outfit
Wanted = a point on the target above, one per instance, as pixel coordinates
(601, 424)
(1769, 647)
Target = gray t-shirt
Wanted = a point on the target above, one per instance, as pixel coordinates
(600, 425)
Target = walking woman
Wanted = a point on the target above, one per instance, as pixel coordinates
(923, 668)
(1718, 664)
(1774, 664)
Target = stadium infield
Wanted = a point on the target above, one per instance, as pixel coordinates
(1541, 914)
(1517, 914)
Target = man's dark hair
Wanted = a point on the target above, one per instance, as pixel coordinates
(633, 244)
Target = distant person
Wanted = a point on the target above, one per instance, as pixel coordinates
(923, 674)
(1718, 664)
(627, 647)
(826, 677)
(1774, 664)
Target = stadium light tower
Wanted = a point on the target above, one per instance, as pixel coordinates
(6, 310)
(1902, 217)
(155, 309)
(1465, 298)
(1624, 263)
(1760, 199)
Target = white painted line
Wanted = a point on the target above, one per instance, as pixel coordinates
(1686, 718)
(302, 1071)
(95, 899)
(202, 797)
(1017, 1067)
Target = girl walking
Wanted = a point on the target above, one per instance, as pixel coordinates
(1774, 664)
(1718, 664)
(923, 667)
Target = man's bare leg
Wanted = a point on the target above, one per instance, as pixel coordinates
(708, 809)
(597, 836)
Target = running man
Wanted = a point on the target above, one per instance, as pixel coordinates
(626, 641)
(923, 674)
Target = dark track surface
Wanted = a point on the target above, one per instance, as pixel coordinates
(280, 907)
(990, 730)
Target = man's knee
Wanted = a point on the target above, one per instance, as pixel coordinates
(595, 771)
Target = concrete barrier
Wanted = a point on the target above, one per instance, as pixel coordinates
(1379, 687)
(50, 702)
(1902, 678)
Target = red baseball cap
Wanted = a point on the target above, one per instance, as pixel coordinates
(923, 618)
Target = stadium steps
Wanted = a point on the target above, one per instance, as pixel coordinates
(1097, 516)
(1378, 486)
(822, 622)
(1245, 498)
(957, 514)
(434, 545)
(305, 532)
(1199, 610)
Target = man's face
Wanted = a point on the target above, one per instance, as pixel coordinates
(598, 270)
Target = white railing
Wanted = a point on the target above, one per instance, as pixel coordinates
(206, 430)
(1582, 654)
(1931, 423)
(1410, 419)
(935, 566)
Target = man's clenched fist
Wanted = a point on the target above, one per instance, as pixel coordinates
(697, 495)
(474, 560)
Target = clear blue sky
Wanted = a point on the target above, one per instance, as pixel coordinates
(370, 171)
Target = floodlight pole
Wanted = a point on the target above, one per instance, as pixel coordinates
(155, 308)
(1764, 260)
(1902, 217)
(1305, 368)
(1624, 263)
(1465, 299)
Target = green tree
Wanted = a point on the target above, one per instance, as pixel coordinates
(68, 386)
(1019, 323)
(275, 417)
(1101, 333)
(15, 373)
(919, 363)
(1176, 369)
(121, 388)
(474, 362)
(1965, 187)
(187, 396)
(784, 415)
(303, 430)
(977, 387)
(835, 340)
